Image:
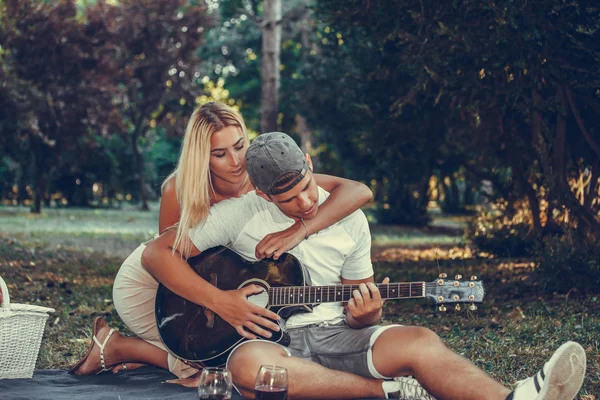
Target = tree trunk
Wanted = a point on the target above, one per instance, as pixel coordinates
(22, 182)
(575, 110)
(380, 191)
(270, 61)
(139, 162)
(306, 138)
(39, 178)
(558, 147)
(301, 124)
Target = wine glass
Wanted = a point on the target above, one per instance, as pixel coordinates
(271, 383)
(215, 384)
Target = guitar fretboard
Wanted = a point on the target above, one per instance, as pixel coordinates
(299, 295)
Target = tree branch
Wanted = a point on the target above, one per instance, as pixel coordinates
(258, 20)
(580, 122)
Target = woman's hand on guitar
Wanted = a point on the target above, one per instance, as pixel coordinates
(275, 244)
(240, 313)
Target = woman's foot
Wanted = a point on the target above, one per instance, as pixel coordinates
(122, 367)
(98, 358)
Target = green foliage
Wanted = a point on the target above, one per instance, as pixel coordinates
(161, 157)
(53, 64)
(233, 52)
(503, 233)
(569, 261)
(461, 84)
(75, 75)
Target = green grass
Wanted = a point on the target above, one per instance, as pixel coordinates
(512, 334)
(110, 231)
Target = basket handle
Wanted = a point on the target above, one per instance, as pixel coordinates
(5, 296)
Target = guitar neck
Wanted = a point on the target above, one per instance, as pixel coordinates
(300, 295)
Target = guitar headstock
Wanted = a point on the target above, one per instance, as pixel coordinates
(455, 291)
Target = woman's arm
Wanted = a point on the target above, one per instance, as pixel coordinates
(169, 206)
(175, 273)
(345, 197)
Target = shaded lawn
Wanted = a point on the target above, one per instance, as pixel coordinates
(514, 331)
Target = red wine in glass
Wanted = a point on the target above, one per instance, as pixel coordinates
(270, 393)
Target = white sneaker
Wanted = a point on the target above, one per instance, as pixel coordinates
(408, 388)
(559, 379)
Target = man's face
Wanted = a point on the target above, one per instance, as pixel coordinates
(301, 201)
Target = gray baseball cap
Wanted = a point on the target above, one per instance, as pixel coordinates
(272, 155)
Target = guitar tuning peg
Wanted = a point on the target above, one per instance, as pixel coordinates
(443, 275)
(473, 278)
(442, 308)
(472, 307)
(457, 307)
(457, 277)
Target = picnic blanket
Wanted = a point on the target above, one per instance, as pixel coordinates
(57, 384)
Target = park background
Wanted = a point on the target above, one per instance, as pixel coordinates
(475, 123)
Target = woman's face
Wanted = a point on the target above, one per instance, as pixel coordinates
(228, 155)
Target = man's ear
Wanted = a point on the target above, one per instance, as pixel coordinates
(309, 161)
(262, 194)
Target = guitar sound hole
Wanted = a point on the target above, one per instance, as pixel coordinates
(259, 299)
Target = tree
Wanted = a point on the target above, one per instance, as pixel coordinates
(54, 65)
(157, 62)
(487, 83)
(270, 61)
(248, 46)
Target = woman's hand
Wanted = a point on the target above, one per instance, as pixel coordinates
(233, 306)
(275, 244)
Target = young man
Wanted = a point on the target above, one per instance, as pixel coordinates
(334, 352)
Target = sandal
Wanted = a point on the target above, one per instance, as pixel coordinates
(99, 323)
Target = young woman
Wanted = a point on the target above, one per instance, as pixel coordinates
(211, 169)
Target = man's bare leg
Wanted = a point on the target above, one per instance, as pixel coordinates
(398, 351)
(419, 352)
(306, 378)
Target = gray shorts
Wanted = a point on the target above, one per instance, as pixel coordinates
(337, 347)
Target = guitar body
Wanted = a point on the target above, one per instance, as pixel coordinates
(198, 335)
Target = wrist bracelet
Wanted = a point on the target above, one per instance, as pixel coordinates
(305, 229)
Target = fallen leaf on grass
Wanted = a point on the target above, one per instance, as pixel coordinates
(557, 323)
(587, 397)
(79, 340)
(516, 314)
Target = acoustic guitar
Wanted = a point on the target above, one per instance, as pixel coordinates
(200, 337)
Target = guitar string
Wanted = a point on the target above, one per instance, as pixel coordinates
(318, 293)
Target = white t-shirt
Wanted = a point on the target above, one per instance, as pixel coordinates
(342, 250)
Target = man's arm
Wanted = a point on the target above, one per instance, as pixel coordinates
(365, 307)
(175, 273)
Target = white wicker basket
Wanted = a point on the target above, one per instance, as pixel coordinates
(21, 330)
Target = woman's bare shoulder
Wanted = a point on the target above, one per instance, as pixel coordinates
(170, 186)
(169, 206)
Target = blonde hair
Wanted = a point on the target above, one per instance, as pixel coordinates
(193, 181)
